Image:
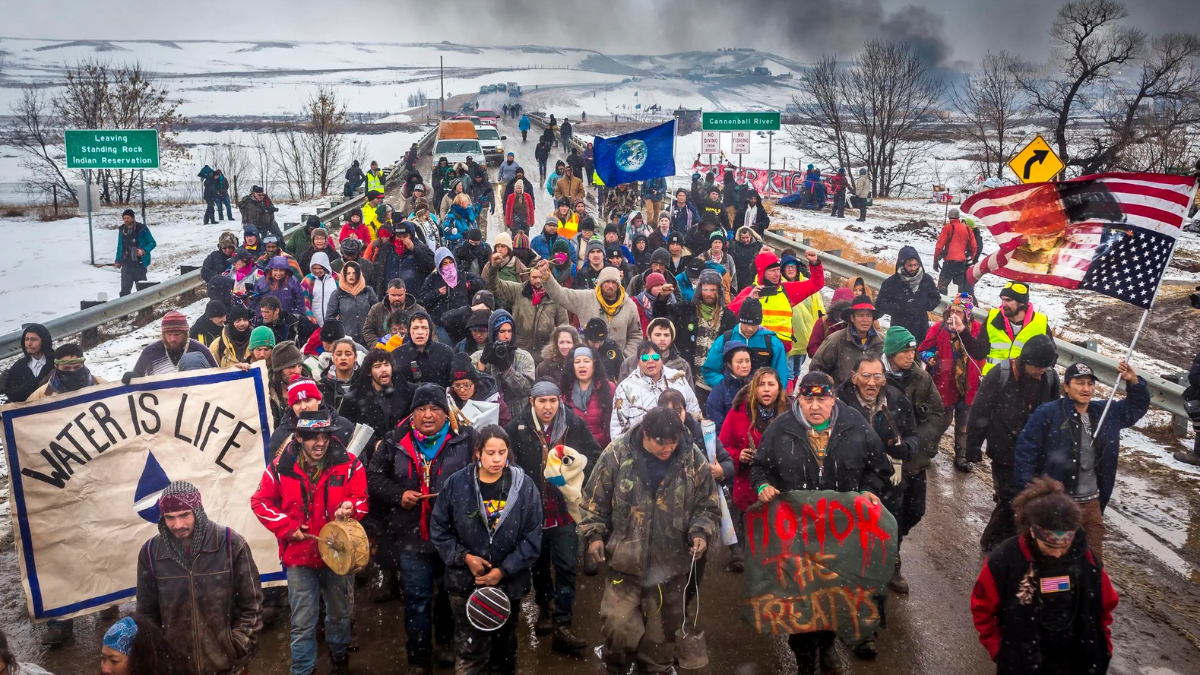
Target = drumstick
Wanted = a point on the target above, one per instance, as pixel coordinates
(422, 498)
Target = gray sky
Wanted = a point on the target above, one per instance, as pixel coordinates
(947, 31)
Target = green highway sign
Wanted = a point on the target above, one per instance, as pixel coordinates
(739, 121)
(112, 148)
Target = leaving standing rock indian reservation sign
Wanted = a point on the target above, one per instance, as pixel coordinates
(112, 148)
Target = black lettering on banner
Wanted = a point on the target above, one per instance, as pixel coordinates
(200, 425)
(90, 434)
(66, 433)
(58, 478)
(179, 419)
(151, 412)
(105, 419)
(63, 455)
(212, 426)
(231, 443)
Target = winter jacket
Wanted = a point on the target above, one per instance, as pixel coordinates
(686, 319)
(826, 326)
(523, 123)
(654, 189)
(536, 323)
(737, 434)
(381, 410)
(854, 456)
(287, 498)
(411, 267)
(528, 452)
(226, 352)
(483, 196)
(766, 350)
(343, 428)
(842, 349)
(352, 310)
(743, 257)
(637, 395)
(397, 467)
(569, 188)
(1049, 443)
(908, 309)
(519, 214)
(620, 201)
(1011, 629)
(214, 264)
(515, 382)
(260, 214)
(598, 423)
(720, 399)
(437, 303)
(458, 220)
(317, 295)
(682, 218)
(376, 326)
(141, 239)
(154, 359)
(928, 412)
(211, 610)
(940, 341)
(472, 258)
(289, 293)
(360, 232)
(624, 326)
(507, 171)
(459, 526)
(432, 363)
(542, 244)
(20, 382)
(955, 243)
(305, 260)
(761, 218)
(1003, 404)
(894, 424)
(648, 534)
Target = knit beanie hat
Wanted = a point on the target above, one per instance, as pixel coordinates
(285, 355)
(261, 336)
(661, 255)
(174, 320)
(503, 239)
(429, 393)
(214, 308)
(1013, 294)
(654, 279)
(302, 389)
(479, 319)
(751, 312)
(1039, 352)
(897, 339)
(595, 330)
(332, 331)
(609, 274)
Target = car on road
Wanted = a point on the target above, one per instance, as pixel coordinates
(490, 139)
(487, 116)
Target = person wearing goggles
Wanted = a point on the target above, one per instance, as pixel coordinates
(638, 394)
(1012, 324)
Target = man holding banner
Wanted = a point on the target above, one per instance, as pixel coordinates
(197, 580)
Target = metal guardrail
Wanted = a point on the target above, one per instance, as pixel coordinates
(114, 310)
(1163, 393)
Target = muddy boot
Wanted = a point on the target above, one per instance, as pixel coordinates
(58, 632)
(898, 584)
(1192, 458)
(444, 656)
(866, 650)
(737, 558)
(339, 666)
(960, 451)
(831, 659)
(110, 613)
(545, 621)
(566, 642)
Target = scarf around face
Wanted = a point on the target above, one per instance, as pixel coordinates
(449, 274)
(357, 287)
(611, 310)
(914, 281)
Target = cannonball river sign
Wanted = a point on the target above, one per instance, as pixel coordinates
(818, 560)
(112, 148)
(740, 121)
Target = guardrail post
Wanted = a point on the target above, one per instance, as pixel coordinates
(869, 264)
(1179, 423)
(837, 252)
(89, 335)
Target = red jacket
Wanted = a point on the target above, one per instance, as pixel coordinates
(597, 421)
(826, 326)
(736, 433)
(362, 232)
(508, 210)
(956, 243)
(939, 340)
(286, 499)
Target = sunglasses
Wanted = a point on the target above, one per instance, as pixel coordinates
(1017, 286)
(646, 358)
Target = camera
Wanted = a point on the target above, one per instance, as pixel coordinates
(500, 349)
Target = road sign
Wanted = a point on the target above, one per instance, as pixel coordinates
(1037, 163)
(112, 148)
(740, 121)
(710, 142)
(741, 143)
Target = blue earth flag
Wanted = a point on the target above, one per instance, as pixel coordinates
(641, 155)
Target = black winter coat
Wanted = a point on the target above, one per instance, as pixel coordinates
(437, 303)
(1003, 404)
(306, 258)
(907, 308)
(854, 457)
(896, 425)
(20, 383)
(432, 363)
(382, 411)
(459, 526)
(743, 261)
(395, 469)
(683, 316)
(527, 447)
(216, 263)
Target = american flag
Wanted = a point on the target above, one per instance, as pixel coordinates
(1111, 233)
(1056, 584)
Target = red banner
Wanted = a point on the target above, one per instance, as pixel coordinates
(773, 183)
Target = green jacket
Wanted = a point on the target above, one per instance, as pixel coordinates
(537, 323)
(649, 536)
(928, 409)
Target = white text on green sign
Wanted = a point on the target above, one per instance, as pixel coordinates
(112, 148)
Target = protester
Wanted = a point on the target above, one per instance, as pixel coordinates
(533, 308)
(752, 215)
(257, 210)
(862, 192)
(661, 333)
(68, 374)
(736, 358)
(954, 354)
(197, 581)
(486, 527)
(352, 300)
(407, 473)
(135, 646)
(219, 260)
(766, 350)
(1007, 396)
(910, 294)
(1064, 440)
(607, 302)
(557, 352)
(956, 246)
(609, 355)
(831, 322)
(396, 298)
(209, 326)
(545, 426)
(446, 288)
(779, 296)
(744, 250)
(233, 345)
(311, 482)
(1012, 325)
(320, 244)
(511, 366)
(638, 394)
(34, 368)
(819, 443)
(468, 383)
(1042, 602)
(842, 349)
(839, 183)
(162, 357)
(654, 468)
(134, 244)
(318, 288)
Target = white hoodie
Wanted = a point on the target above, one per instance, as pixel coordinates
(321, 288)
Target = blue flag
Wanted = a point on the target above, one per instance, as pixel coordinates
(641, 155)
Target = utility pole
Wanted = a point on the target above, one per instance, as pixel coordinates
(770, 147)
(442, 81)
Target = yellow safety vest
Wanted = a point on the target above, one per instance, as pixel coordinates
(375, 182)
(1003, 347)
(777, 314)
(371, 220)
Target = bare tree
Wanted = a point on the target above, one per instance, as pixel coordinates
(292, 161)
(323, 135)
(992, 102)
(37, 135)
(827, 111)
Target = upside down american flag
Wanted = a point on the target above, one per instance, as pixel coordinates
(1112, 233)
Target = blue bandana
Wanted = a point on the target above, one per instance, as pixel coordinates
(120, 635)
(428, 446)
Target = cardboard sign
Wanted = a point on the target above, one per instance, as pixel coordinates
(815, 561)
(86, 470)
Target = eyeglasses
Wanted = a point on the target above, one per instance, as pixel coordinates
(1017, 286)
(646, 358)
(877, 377)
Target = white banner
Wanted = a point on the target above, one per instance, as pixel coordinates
(86, 469)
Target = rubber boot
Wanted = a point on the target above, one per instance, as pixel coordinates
(1192, 457)
(58, 632)
(960, 451)
(831, 659)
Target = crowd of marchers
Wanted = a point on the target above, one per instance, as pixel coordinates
(614, 343)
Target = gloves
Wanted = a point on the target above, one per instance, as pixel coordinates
(897, 470)
(937, 265)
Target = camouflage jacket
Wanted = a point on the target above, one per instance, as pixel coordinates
(647, 535)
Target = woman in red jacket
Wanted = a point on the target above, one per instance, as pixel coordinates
(588, 393)
(1042, 603)
(754, 408)
(518, 209)
(355, 227)
(955, 355)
